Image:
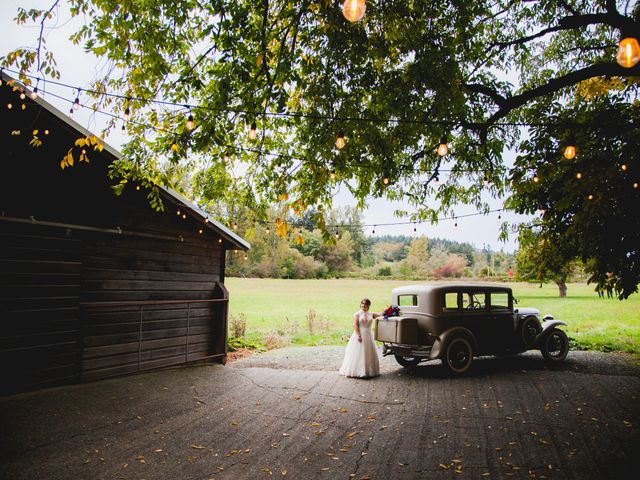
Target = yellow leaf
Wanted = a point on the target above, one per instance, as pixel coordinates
(283, 197)
(15, 133)
(81, 142)
(259, 60)
(300, 240)
(35, 132)
(281, 227)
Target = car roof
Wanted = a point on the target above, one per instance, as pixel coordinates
(426, 288)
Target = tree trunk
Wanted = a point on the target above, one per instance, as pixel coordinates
(562, 288)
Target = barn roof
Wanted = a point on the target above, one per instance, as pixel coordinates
(169, 195)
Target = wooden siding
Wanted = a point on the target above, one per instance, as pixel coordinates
(40, 278)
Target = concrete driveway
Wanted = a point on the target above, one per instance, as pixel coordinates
(288, 414)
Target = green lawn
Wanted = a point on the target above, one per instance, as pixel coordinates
(277, 310)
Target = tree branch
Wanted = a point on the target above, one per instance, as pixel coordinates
(556, 84)
(44, 18)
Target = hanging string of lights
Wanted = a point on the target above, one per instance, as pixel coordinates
(190, 125)
(188, 107)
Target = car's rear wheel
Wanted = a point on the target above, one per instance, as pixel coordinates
(555, 346)
(458, 356)
(407, 362)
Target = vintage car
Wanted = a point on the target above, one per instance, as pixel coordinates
(458, 321)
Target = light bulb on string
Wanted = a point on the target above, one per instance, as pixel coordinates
(46, 131)
(22, 95)
(456, 224)
(333, 175)
(337, 234)
(191, 124)
(9, 106)
(206, 220)
(536, 179)
(340, 141)
(34, 93)
(235, 226)
(253, 131)
(499, 216)
(442, 147)
(123, 128)
(354, 10)
(578, 175)
(373, 232)
(570, 151)
(590, 197)
(71, 113)
(76, 102)
(385, 180)
(485, 181)
(628, 52)
(127, 114)
(268, 230)
(184, 216)
(414, 228)
(219, 240)
(200, 231)
(623, 167)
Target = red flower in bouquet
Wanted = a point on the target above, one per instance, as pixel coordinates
(391, 311)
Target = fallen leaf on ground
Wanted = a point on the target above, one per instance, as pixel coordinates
(157, 450)
(351, 435)
(198, 447)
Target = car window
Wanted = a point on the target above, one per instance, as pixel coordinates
(474, 300)
(407, 300)
(499, 301)
(450, 301)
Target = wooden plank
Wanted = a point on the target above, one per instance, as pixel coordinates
(160, 265)
(133, 296)
(30, 278)
(42, 254)
(38, 291)
(156, 245)
(148, 285)
(40, 266)
(148, 275)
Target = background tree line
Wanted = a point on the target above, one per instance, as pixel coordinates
(305, 252)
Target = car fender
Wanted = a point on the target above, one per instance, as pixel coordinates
(547, 326)
(440, 345)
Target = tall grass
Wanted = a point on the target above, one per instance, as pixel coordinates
(286, 306)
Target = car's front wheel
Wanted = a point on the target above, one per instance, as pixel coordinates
(407, 362)
(458, 356)
(555, 346)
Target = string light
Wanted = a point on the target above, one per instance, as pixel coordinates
(235, 226)
(138, 187)
(570, 151)
(200, 231)
(34, 93)
(191, 124)
(385, 180)
(184, 216)
(623, 167)
(485, 181)
(442, 148)
(354, 10)
(219, 240)
(253, 131)
(76, 102)
(178, 212)
(628, 52)
(9, 106)
(46, 131)
(536, 179)
(268, 230)
(337, 234)
(333, 175)
(635, 184)
(578, 175)
(340, 141)
(71, 113)
(206, 220)
(127, 114)
(22, 95)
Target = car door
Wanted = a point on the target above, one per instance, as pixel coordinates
(501, 318)
(473, 316)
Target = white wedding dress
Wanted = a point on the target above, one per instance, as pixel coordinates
(361, 358)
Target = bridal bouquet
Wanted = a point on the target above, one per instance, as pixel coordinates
(391, 311)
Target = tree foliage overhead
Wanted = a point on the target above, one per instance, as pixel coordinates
(395, 83)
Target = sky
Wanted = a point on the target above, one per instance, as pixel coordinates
(79, 68)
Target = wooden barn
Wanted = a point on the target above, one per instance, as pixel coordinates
(94, 285)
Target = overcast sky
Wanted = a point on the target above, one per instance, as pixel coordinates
(78, 68)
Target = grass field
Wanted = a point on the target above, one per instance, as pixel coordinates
(277, 311)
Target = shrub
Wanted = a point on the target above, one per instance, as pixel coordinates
(238, 325)
(275, 340)
(234, 344)
(384, 271)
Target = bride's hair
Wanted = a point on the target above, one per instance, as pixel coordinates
(366, 301)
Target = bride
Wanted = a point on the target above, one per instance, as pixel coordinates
(361, 355)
